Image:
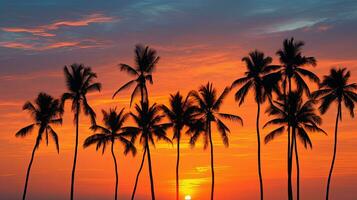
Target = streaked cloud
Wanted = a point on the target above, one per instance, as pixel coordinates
(293, 25)
(45, 30)
(41, 46)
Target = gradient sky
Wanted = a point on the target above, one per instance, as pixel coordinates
(197, 41)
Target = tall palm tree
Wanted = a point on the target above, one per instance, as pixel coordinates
(335, 88)
(181, 113)
(45, 113)
(300, 116)
(145, 63)
(146, 60)
(149, 124)
(80, 81)
(292, 68)
(109, 133)
(208, 112)
(260, 79)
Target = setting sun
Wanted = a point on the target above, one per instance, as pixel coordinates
(187, 197)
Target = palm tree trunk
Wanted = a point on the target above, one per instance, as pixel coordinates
(116, 171)
(334, 151)
(290, 187)
(150, 172)
(259, 160)
(212, 161)
(177, 167)
(28, 172)
(137, 176)
(297, 167)
(75, 152)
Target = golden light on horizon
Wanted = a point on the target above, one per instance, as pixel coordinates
(188, 197)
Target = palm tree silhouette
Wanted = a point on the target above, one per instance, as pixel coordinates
(258, 78)
(145, 63)
(79, 81)
(300, 116)
(293, 63)
(208, 112)
(109, 133)
(148, 125)
(181, 113)
(46, 112)
(335, 87)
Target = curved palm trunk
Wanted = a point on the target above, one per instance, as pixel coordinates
(212, 161)
(137, 176)
(290, 187)
(28, 172)
(177, 167)
(297, 167)
(116, 171)
(334, 151)
(150, 171)
(259, 160)
(75, 153)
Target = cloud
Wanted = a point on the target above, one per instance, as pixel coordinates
(41, 46)
(44, 30)
(293, 25)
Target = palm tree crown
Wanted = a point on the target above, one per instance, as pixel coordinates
(148, 124)
(181, 112)
(258, 77)
(335, 88)
(80, 81)
(302, 117)
(293, 63)
(208, 111)
(111, 131)
(45, 112)
(145, 63)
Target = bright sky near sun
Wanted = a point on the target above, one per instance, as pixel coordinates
(198, 41)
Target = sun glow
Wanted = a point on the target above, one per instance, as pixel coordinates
(187, 197)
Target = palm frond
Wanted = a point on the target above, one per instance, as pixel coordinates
(231, 117)
(25, 131)
(273, 134)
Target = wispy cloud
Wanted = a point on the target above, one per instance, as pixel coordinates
(45, 30)
(41, 46)
(293, 25)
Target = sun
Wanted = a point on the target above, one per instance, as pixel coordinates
(188, 197)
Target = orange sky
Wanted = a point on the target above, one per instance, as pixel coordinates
(196, 43)
(235, 166)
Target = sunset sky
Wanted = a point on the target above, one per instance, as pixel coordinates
(198, 41)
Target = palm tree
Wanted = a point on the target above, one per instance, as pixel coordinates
(145, 63)
(79, 81)
(259, 79)
(45, 113)
(109, 133)
(300, 117)
(146, 60)
(293, 63)
(208, 112)
(181, 113)
(335, 87)
(148, 125)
